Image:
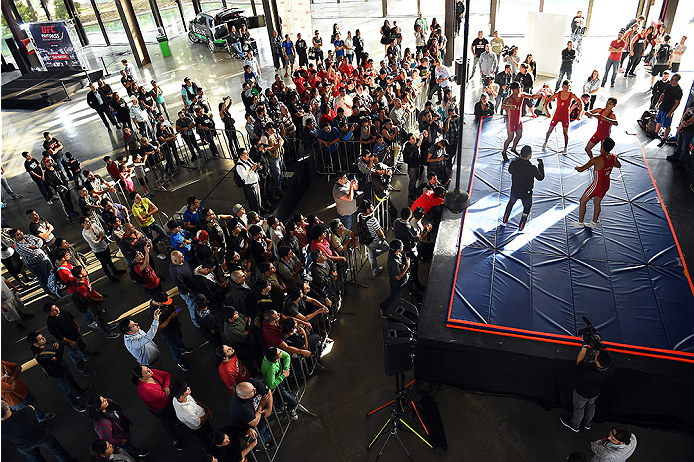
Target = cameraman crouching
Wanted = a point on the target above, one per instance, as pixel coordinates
(594, 369)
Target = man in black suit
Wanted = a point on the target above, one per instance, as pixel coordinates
(96, 101)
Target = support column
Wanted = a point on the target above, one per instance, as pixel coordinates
(384, 7)
(667, 14)
(269, 23)
(641, 8)
(278, 20)
(133, 32)
(79, 28)
(588, 16)
(45, 9)
(253, 7)
(449, 30)
(183, 16)
(101, 23)
(13, 20)
(542, 5)
(197, 7)
(156, 14)
(493, 7)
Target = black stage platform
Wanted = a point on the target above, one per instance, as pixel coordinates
(38, 90)
(491, 354)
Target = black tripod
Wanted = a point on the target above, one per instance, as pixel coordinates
(396, 418)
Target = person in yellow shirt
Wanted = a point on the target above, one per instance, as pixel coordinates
(143, 209)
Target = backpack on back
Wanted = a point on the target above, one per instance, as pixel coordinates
(137, 277)
(363, 231)
(237, 178)
(663, 55)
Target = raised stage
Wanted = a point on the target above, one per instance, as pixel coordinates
(38, 90)
(506, 306)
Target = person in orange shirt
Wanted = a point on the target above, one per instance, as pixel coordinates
(16, 393)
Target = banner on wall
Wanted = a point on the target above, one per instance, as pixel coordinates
(296, 18)
(545, 39)
(54, 45)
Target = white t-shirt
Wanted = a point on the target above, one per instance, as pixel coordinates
(348, 43)
(189, 412)
(679, 50)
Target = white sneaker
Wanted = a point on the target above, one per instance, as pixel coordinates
(591, 225)
(293, 415)
(49, 202)
(577, 224)
(161, 256)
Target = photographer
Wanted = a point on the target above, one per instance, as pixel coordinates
(503, 80)
(436, 158)
(594, 369)
(483, 108)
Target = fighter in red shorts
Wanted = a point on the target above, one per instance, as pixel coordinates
(563, 98)
(606, 119)
(513, 105)
(602, 167)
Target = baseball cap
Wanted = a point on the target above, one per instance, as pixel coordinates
(236, 208)
(162, 297)
(201, 235)
(252, 215)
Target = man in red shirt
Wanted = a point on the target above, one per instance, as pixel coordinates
(616, 48)
(231, 369)
(429, 199)
(346, 68)
(272, 333)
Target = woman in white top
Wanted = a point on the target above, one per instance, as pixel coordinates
(591, 87)
(349, 47)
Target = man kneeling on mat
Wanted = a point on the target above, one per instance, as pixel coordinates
(523, 175)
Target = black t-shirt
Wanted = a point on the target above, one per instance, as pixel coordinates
(63, 326)
(205, 121)
(52, 144)
(166, 311)
(670, 95)
(38, 228)
(300, 46)
(688, 115)
(147, 98)
(183, 123)
(396, 265)
(232, 451)
(567, 58)
(33, 165)
(292, 309)
(590, 380)
(257, 250)
(523, 174)
(22, 428)
(243, 410)
(406, 233)
(659, 88)
(478, 44)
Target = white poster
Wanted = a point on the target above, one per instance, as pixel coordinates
(545, 38)
(296, 18)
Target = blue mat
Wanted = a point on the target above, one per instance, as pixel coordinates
(627, 275)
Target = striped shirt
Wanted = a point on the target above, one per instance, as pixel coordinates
(31, 256)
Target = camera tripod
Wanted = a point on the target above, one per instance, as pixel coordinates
(395, 418)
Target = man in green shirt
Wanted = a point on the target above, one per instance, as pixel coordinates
(497, 44)
(144, 211)
(275, 369)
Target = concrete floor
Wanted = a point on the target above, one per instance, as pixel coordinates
(478, 427)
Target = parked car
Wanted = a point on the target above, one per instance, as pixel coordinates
(213, 26)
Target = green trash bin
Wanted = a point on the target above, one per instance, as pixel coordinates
(164, 45)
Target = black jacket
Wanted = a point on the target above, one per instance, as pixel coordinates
(93, 102)
(523, 175)
(50, 359)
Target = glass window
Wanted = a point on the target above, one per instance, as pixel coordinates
(511, 17)
(606, 17)
(85, 11)
(112, 22)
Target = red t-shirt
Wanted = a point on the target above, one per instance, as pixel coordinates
(65, 274)
(616, 55)
(113, 170)
(427, 201)
(272, 335)
(233, 373)
(323, 245)
(152, 394)
(150, 276)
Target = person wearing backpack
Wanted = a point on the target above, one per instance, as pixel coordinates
(663, 53)
(371, 235)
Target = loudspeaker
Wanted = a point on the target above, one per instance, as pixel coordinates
(253, 22)
(397, 348)
(460, 71)
(404, 312)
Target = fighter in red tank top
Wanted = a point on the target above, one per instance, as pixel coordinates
(563, 99)
(606, 119)
(514, 125)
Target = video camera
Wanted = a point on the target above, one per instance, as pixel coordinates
(591, 337)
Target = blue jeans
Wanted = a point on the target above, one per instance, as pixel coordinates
(175, 341)
(69, 386)
(683, 151)
(190, 301)
(49, 442)
(237, 47)
(209, 137)
(563, 72)
(161, 234)
(6, 185)
(413, 173)
(276, 169)
(611, 64)
(30, 399)
(584, 410)
(347, 220)
(377, 247)
(43, 189)
(42, 270)
(285, 397)
(79, 353)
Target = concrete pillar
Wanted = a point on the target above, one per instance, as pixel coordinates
(667, 14)
(449, 30)
(79, 28)
(542, 5)
(384, 7)
(197, 7)
(133, 32)
(154, 6)
(183, 15)
(13, 20)
(101, 23)
(493, 9)
(588, 15)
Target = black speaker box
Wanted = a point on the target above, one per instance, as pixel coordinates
(397, 348)
(404, 312)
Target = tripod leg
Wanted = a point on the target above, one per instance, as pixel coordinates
(403, 446)
(380, 432)
(413, 431)
(383, 448)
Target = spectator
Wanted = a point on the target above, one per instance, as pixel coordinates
(250, 406)
(372, 237)
(192, 217)
(23, 429)
(231, 369)
(227, 443)
(49, 355)
(30, 250)
(143, 273)
(93, 233)
(12, 306)
(275, 369)
(182, 275)
(677, 53)
(103, 450)
(483, 108)
(112, 425)
(139, 343)
(616, 49)
(398, 273)
(153, 389)
(64, 327)
(36, 173)
(193, 414)
(568, 55)
(667, 104)
(88, 299)
(206, 284)
(209, 326)
(478, 47)
(617, 446)
(16, 393)
(169, 326)
(144, 211)
(488, 63)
